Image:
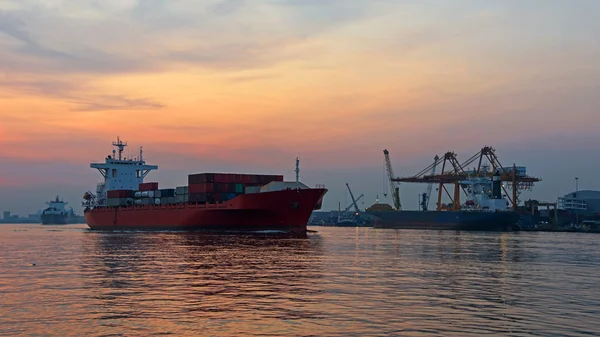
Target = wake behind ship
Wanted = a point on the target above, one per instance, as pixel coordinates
(216, 202)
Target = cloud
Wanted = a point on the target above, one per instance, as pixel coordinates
(158, 35)
(227, 7)
(82, 97)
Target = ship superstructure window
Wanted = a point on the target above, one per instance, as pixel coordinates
(114, 172)
(138, 173)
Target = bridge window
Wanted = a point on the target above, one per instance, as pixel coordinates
(114, 172)
(138, 173)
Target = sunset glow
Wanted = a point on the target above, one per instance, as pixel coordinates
(251, 85)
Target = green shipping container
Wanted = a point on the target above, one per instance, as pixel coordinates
(239, 188)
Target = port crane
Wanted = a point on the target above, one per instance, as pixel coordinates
(354, 201)
(425, 204)
(453, 172)
(394, 188)
(352, 204)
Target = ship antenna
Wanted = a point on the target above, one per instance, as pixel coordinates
(141, 158)
(120, 145)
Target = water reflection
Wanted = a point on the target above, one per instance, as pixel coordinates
(203, 279)
(340, 282)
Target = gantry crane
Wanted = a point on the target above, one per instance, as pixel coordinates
(456, 173)
(394, 188)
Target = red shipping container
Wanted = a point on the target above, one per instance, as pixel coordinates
(119, 193)
(149, 186)
(278, 178)
(220, 178)
(201, 178)
(201, 188)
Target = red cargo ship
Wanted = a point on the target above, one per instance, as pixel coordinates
(217, 202)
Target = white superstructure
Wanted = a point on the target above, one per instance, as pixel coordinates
(482, 196)
(56, 207)
(120, 173)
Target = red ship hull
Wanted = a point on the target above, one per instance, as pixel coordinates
(285, 210)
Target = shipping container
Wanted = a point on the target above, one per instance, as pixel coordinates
(148, 194)
(252, 189)
(239, 188)
(220, 177)
(201, 188)
(147, 201)
(119, 193)
(138, 194)
(201, 178)
(113, 202)
(181, 198)
(149, 186)
(222, 188)
(119, 201)
(201, 197)
(180, 190)
(235, 178)
(265, 179)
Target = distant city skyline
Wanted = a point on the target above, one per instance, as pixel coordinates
(246, 86)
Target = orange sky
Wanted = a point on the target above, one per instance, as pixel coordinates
(333, 81)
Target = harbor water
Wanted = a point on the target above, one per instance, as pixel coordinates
(70, 281)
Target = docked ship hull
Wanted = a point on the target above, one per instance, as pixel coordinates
(449, 220)
(55, 219)
(285, 211)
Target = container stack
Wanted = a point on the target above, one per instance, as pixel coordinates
(220, 187)
(202, 188)
(119, 198)
(181, 194)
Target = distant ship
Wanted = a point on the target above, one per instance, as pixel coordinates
(217, 202)
(56, 213)
(485, 209)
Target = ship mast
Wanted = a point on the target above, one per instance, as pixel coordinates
(297, 169)
(120, 145)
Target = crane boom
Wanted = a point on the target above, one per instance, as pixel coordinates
(353, 200)
(435, 162)
(393, 185)
(352, 204)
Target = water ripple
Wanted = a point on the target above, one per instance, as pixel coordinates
(69, 281)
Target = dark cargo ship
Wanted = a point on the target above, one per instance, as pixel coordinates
(485, 210)
(55, 213)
